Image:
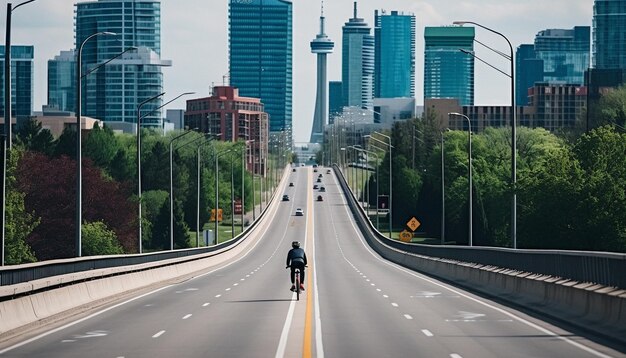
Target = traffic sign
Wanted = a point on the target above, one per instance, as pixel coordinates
(413, 224)
(406, 236)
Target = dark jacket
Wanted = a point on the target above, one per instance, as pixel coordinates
(296, 255)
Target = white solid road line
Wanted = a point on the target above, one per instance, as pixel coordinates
(158, 334)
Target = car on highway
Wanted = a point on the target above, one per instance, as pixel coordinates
(320, 175)
(327, 171)
(290, 184)
(293, 170)
(316, 186)
(323, 189)
(299, 212)
(314, 170)
(320, 198)
(319, 180)
(285, 197)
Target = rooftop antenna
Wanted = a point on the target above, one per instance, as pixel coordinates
(355, 9)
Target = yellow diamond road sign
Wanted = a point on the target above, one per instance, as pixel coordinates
(413, 224)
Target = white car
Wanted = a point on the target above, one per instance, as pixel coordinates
(299, 212)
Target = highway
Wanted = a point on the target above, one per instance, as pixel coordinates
(356, 305)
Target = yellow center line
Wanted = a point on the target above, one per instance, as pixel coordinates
(308, 319)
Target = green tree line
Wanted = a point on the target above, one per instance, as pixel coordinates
(41, 191)
(570, 185)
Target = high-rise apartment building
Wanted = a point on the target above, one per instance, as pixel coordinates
(113, 92)
(260, 56)
(448, 72)
(22, 80)
(62, 81)
(357, 57)
(609, 34)
(394, 74)
(322, 45)
(557, 56)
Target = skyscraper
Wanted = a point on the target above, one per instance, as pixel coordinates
(357, 71)
(448, 72)
(335, 100)
(260, 56)
(558, 56)
(609, 34)
(22, 80)
(62, 81)
(113, 92)
(322, 46)
(394, 74)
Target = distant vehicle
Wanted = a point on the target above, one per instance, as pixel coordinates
(315, 186)
(319, 198)
(290, 184)
(323, 189)
(285, 197)
(293, 170)
(314, 170)
(299, 212)
(314, 165)
(319, 180)
(328, 171)
(320, 175)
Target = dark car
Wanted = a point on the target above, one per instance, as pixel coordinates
(328, 171)
(314, 170)
(293, 170)
(319, 180)
(320, 176)
(320, 198)
(285, 197)
(315, 186)
(290, 184)
(323, 189)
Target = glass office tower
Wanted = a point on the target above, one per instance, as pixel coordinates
(609, 34)
(357, 56)
(558, 56)
(448, 72)
(394, 74)
(260, 56)
(62, 81)
(114, 91)
(22, 80)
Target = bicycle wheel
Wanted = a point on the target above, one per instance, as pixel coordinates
(297, 285)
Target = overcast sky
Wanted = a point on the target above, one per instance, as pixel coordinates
(195, 37)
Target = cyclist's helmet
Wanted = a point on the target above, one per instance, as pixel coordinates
(295, 244)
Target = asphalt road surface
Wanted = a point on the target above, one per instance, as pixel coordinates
(356, 304)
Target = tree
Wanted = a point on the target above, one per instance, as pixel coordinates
(19, 222)
(101, 146)
(161, 236)
(612, 107)
(33, 137)
(98, 239)
(66, 144)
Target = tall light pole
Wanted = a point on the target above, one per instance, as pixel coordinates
(79, 152)
(7, 72)
(469, 169)
(217, 190)
(139, 159)
(513, 131)
(390, 176)
(443, 190)
(172, 186)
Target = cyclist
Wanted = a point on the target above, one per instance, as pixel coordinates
(296, 259)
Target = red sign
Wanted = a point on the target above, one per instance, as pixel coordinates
(238, 207)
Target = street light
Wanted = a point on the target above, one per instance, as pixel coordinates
(139, 158)
(469, 169)
(79, 154)
(443, 191)
(367, 164)
(390, 175)
(7, 72)
(172, 186)
(513, 131)
(217, 190)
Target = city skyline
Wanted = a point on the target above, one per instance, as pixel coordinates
(199, 50)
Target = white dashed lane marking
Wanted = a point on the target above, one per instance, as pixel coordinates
(427, 333)
(187, 316)
(158, 334)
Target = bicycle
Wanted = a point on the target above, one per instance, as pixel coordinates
(297, 283)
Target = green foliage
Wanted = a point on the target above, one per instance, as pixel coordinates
(33, 137)
(98, 239)
(66, 144)
(612, 107)
(19, 222)
(101, 146)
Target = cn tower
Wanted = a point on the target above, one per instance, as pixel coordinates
(321, 46)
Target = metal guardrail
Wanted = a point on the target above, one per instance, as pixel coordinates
(603, 268)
